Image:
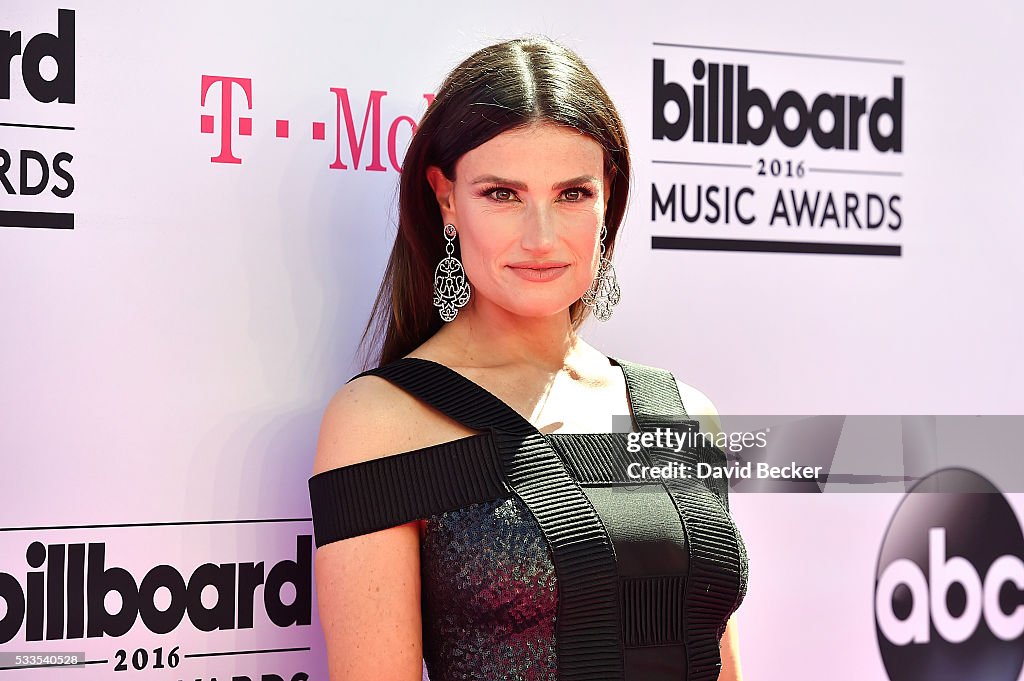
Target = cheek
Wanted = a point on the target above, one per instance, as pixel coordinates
(481, 246)
(587, 236)
(475, 255)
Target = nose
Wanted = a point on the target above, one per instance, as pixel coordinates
(539, 230)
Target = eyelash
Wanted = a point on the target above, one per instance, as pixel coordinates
(585, 193)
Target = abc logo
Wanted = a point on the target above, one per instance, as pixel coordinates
(949, 589)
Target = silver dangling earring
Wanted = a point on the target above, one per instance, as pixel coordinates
(604, 293)
(451, 288)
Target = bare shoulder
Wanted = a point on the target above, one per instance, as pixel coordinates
(369, 418)
(356, 423)
(368, 586)
(699, 406)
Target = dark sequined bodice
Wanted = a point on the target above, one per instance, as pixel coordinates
(542, 558)
(487, 577)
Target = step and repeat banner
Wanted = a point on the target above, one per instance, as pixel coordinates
(197, 201)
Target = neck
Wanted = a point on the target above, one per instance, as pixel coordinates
(487, 335)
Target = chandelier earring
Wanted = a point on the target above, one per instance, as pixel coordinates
(604, 293)
(451, 288)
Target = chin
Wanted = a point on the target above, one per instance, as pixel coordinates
(540, 309)
(530, 301)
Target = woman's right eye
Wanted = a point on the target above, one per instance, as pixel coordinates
(502, 194)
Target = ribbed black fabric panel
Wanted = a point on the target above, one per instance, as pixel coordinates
(657, 404)
(380, 493)
(652, 610)
(591, 459)
(589, 641)
(717, 568)
(653, 394)
(704, 453)
(587, 626)
(717, 575)
(714, 457)
(453, 394)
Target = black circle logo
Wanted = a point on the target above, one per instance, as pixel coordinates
(949, 585)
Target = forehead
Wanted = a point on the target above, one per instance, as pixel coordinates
(541, 151)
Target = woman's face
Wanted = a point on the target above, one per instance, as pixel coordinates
(528, 206)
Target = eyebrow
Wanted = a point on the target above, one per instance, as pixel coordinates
(494, 179)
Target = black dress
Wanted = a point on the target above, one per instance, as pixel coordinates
(542, 558)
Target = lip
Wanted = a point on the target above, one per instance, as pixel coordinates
(539, 270)
(538, 264)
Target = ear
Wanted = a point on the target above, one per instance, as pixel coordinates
(443, 190)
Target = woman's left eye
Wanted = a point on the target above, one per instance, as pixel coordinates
(577, 194)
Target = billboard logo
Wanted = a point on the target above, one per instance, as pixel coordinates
(47, 64)
(60, 48)
(78, 576)
(949, 583)
(730, 101)
(752, 153)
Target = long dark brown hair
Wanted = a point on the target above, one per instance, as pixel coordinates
(504, 86)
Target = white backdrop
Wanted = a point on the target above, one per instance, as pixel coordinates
(165, 363)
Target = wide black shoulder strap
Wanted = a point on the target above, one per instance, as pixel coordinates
(653, 394)
(380, 493)
(453, 395)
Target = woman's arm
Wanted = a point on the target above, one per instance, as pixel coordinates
(730, 650)
(368, 587)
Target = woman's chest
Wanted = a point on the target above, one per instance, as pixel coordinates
(496, 555)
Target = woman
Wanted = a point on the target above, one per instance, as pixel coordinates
(470, 507)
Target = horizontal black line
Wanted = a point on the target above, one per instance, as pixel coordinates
(848, 171)
(762, 246)
(166, 524)
(246, 652)
(705, 163)
(36, 219)
(808, 55)
(36, 125)
(36, 666)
